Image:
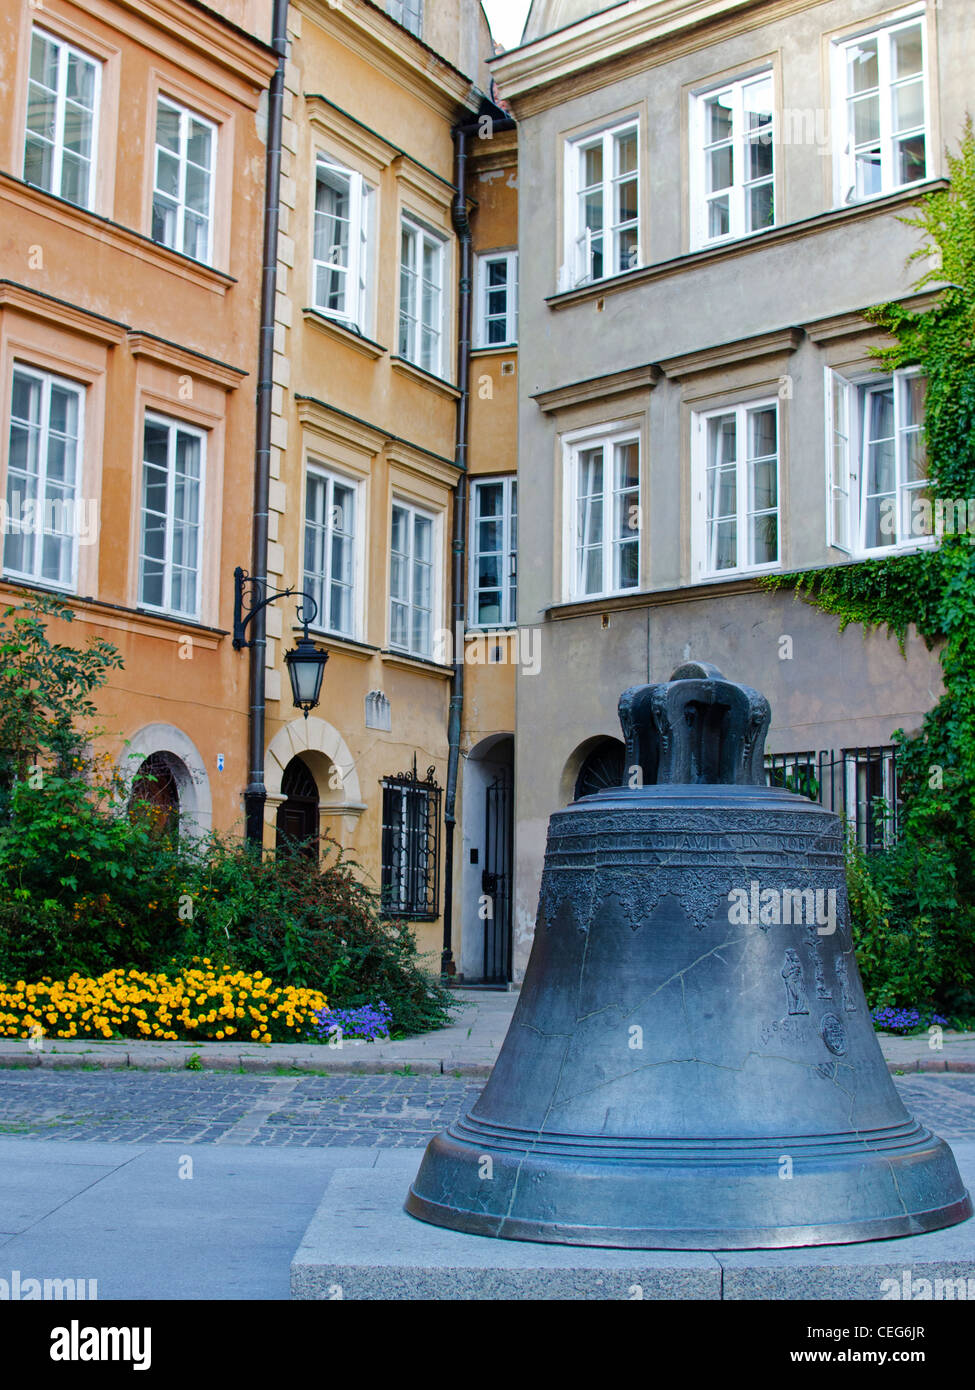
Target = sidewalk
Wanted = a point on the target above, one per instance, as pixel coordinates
(468, 1047)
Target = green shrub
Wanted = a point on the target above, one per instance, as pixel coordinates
(320, 930)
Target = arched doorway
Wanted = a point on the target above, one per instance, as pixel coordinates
(178, 773)
(488, 868)
(154, 797)
(297, 819)
(602, 767)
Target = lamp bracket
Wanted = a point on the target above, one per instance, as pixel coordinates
(249, 587)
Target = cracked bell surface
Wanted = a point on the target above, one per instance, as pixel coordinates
(691, 1063)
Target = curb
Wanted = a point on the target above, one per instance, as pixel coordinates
(122, 1061)
(383, 1066)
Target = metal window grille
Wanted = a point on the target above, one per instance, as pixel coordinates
(411, 846)
(859, 784)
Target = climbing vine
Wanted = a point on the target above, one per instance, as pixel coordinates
(914, 906)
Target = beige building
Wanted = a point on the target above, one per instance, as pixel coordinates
(376, 429)
(717, 195)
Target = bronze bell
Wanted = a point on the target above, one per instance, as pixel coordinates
(691, 1064)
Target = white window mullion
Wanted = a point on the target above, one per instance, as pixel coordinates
(886, 100)
(738, 155)
(181, 187)
(899, 462)
(743, 546)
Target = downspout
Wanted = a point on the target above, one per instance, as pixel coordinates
(255, 794)
(462, 227)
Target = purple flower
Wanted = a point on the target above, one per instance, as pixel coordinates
(368, 1022)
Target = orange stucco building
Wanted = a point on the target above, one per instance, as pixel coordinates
(132, 168)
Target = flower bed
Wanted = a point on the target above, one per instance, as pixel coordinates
(905, 1020)
(199, 1003)
(368, 1023)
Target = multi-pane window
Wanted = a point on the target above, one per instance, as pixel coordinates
(182, 195)
(411, 581)
(409, 13)
(62, 102)
(497, 299)
(421, 297)
(172, 516)
(343, 208)
(739, 488)
(734, 172)
(603, 495)
(603, 211)
(883, 141)
(43, 468)
(877, 464)
(494, 544)
(329, 571)
(410, 884)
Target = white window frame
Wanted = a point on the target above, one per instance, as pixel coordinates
(186, 114)
(66, 50)
(844, 163)
(851, 395)
(358, 271)
(47, 380)
(577, 249)
(607, 438)
(483, 288)
(411, 310)
(174, 425)
(703, 570)
(737, 190)
(414, 511)
(330, 477)
(509, 558)
(409, 13)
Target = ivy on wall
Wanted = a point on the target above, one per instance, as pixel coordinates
(914, 908)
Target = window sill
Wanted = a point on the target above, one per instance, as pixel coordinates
(409, 662)
(726, 576)
(425, 378)
(785, 231)
(86, 602)
(341, 333)
(103, 229)
(493, 348)
(362, 651)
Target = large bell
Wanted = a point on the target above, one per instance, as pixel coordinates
(691, 1063)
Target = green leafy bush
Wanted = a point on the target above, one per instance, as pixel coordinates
(321, 930)
(92, 882)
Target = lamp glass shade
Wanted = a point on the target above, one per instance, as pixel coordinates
(306, 667)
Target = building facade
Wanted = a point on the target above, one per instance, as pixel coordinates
(131, 184)
(366, 459)
(718, 191)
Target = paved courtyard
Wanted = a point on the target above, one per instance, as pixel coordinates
(309, 1111)
(201, 1185)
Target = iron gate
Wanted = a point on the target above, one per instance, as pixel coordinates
(496, 879)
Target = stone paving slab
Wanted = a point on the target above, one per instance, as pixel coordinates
(468, 1047)
(362, 1245)
(142, 1223)
(298, 1110)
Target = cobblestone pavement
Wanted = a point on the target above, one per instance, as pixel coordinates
(373, 1111)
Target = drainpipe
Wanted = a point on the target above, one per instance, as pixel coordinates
(462, 227)
(255, 794)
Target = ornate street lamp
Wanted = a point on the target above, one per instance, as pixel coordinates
(306, 664)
